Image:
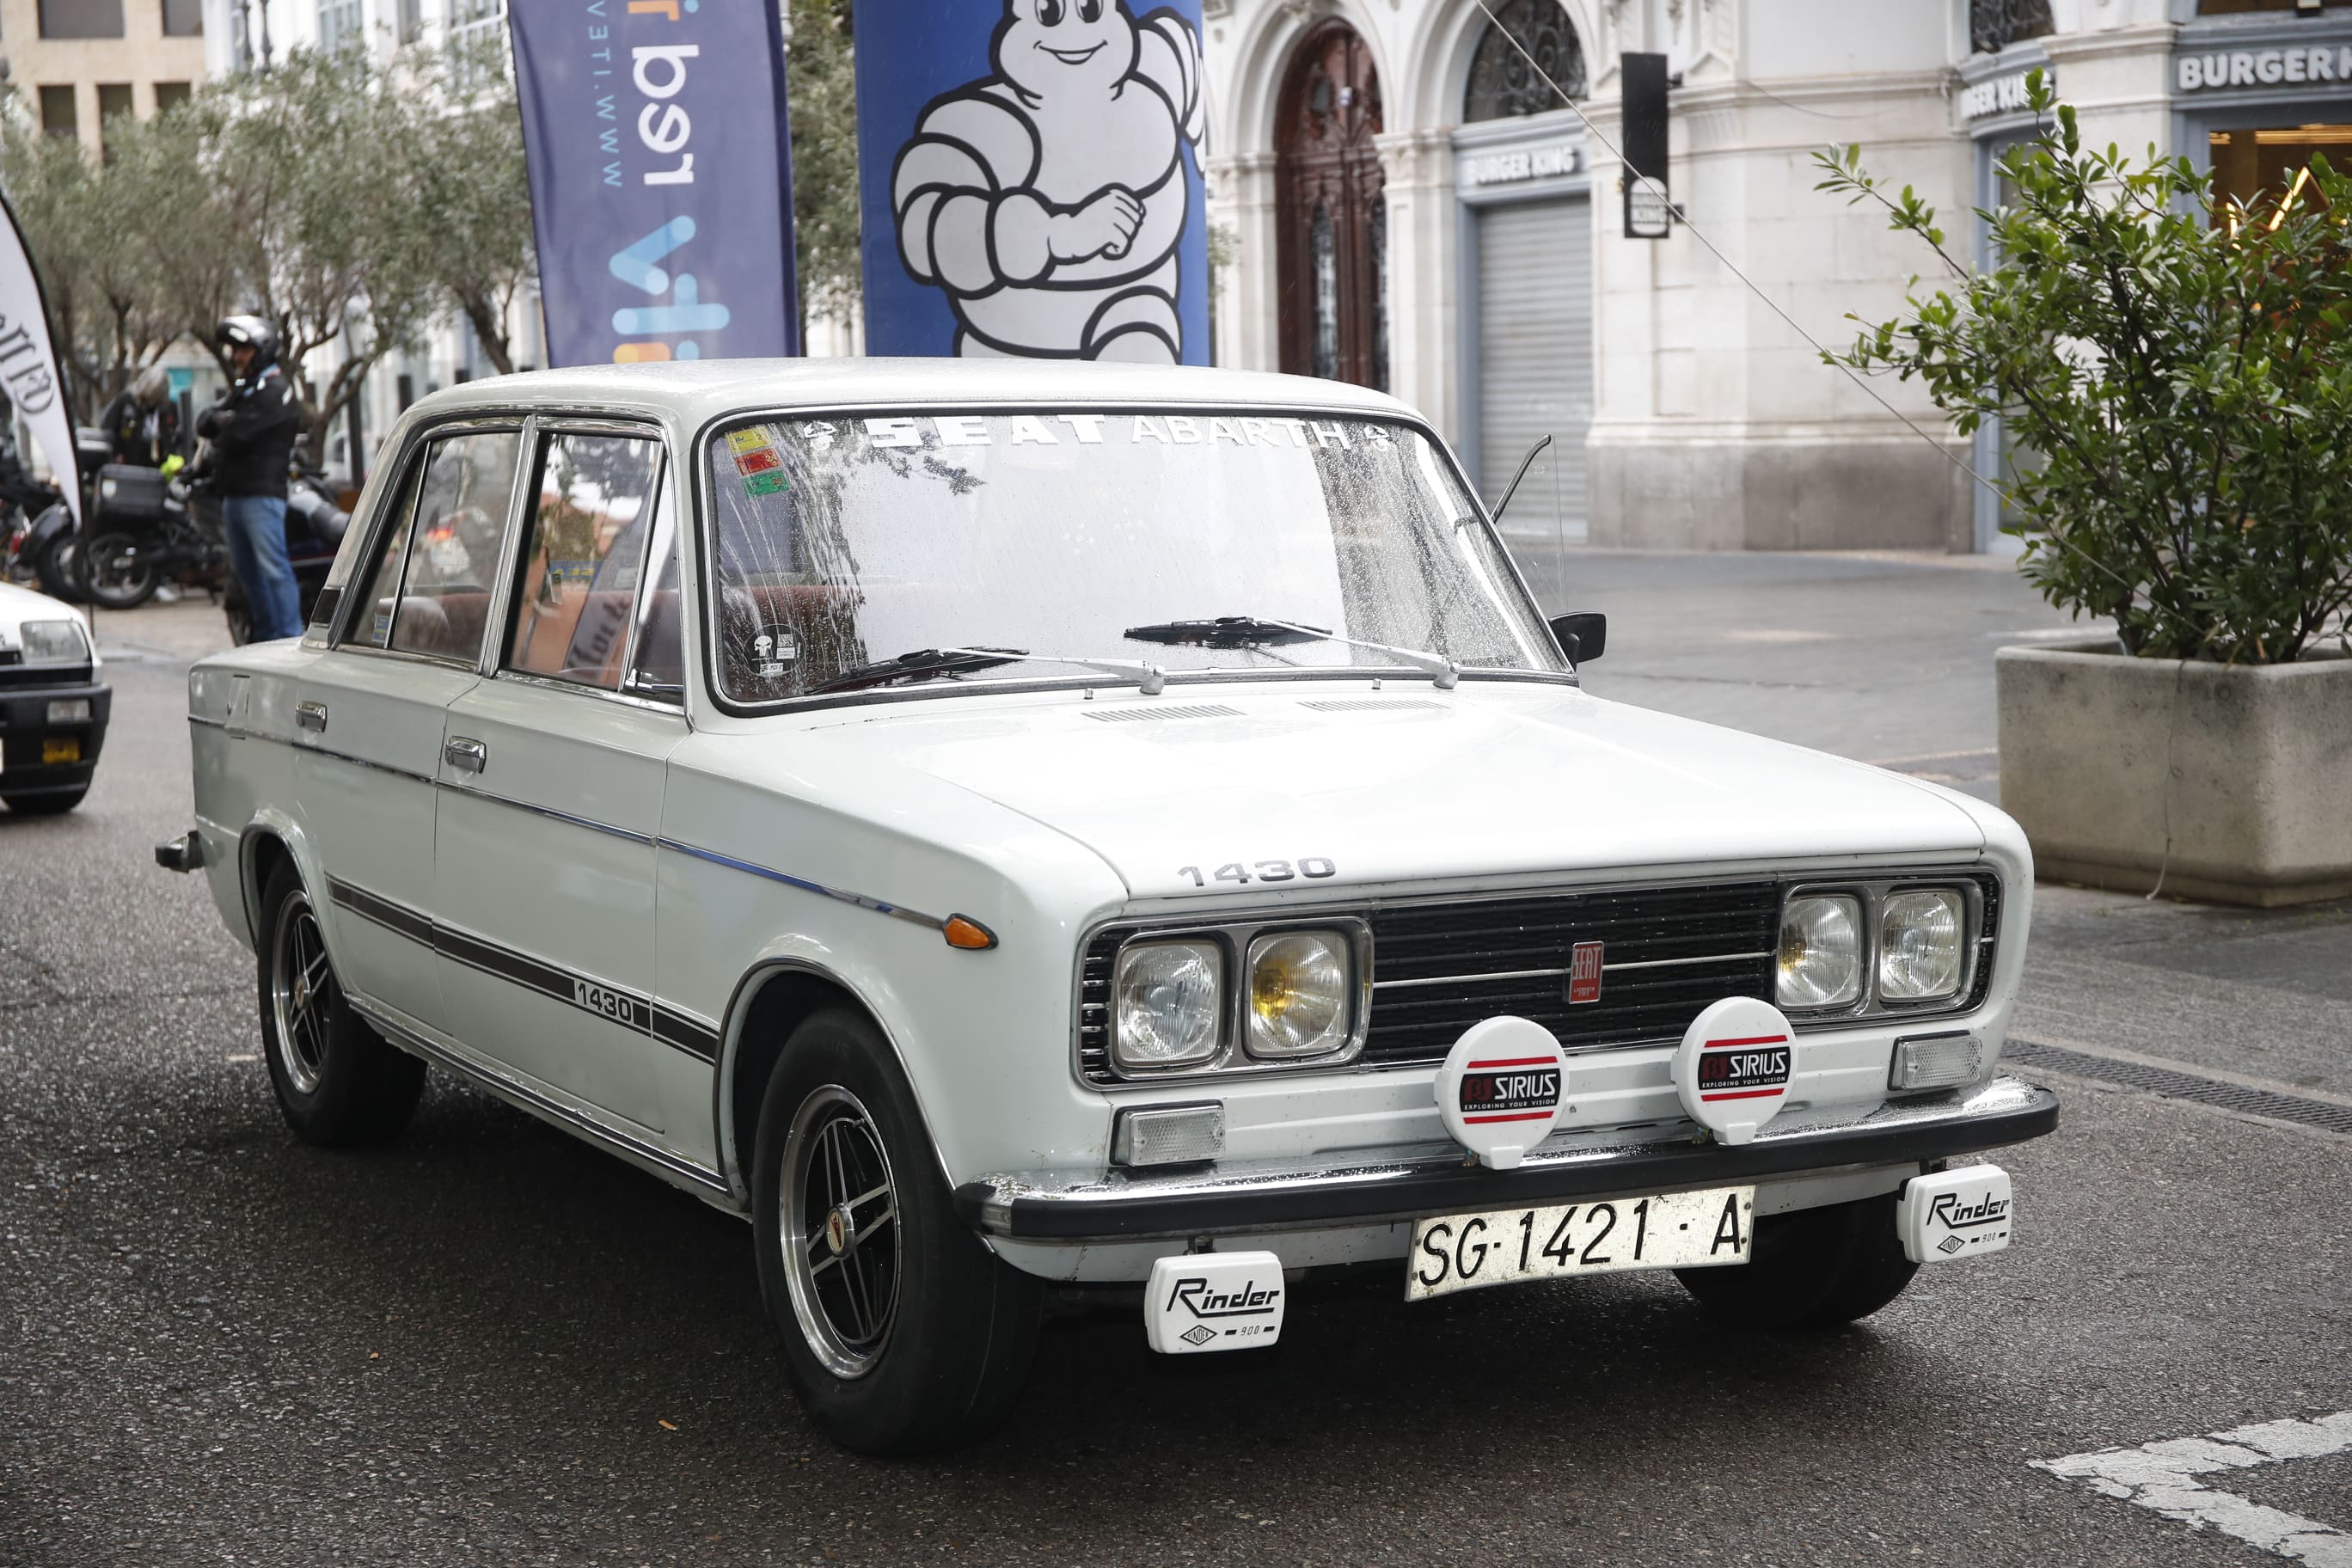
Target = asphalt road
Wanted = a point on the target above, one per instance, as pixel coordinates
(488, 1344)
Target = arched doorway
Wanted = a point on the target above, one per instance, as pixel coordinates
(1332, 237)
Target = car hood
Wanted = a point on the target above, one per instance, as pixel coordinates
(19, 605)
(1349, 787)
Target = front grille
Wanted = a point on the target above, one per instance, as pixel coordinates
(1668, 953)
(1699, 944)
(17, 677)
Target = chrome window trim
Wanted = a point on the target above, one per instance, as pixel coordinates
(1231, 1058)
(1982, 951)
(575, 688)
(705, 521)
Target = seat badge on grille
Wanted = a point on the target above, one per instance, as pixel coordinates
(1501, 1089)
(1584, 972)
(1734, 1066)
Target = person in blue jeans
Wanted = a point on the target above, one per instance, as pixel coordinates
(252, 425)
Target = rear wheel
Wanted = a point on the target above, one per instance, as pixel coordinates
(1813, 1269)
(902, 1330)
(337, 1081)
(118, 572)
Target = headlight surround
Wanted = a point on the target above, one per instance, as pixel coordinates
(54, 642)
(1820, 959)
(1921, 948)
(1300, 983)
(1168, 999)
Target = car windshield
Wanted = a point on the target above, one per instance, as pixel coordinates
(845, 543)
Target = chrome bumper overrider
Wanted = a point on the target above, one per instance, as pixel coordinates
(1375, 1186)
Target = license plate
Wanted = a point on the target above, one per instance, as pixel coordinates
(1504, 1247)
(60, 751)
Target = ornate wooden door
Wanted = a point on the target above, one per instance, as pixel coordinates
(1332, 221)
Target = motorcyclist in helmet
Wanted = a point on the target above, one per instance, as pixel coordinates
(143, 423)
(252, 427)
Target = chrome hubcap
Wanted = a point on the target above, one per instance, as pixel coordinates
(839, 1210)
(302, 994)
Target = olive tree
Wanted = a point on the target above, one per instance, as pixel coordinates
(2180, 368)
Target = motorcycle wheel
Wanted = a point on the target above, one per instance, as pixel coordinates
(55, 568)
(120, 575)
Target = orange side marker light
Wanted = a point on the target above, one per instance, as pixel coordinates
(968, 934)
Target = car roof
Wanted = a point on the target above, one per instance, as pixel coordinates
(696, 391)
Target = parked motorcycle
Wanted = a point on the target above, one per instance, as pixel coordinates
(49, 545)
(145, 531)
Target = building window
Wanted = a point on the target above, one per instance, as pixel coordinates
(2250, 166)
(183, 18)
(58, 112)
(1327, 187)
(1994, 25)
(340, 24)
(1502, 83)
(113, 104)
(411, 20)
(81, 18)
(170, 95)
(475, 27)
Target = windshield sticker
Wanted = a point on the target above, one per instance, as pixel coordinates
(766, 484)
(759, 460)
(748, 440)
(772, 649)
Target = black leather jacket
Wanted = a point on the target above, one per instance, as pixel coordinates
(252, 429)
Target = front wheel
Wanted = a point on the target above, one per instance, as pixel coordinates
(1810, 1270)
(57, 568)
(337, 1081)
(118, 572)
(902, 1330)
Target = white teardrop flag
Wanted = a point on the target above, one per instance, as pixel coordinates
(28, 363)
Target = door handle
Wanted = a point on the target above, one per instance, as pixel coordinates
(310, 716)
(467, 756)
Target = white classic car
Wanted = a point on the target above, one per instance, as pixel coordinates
(53, 706)
(1002, 827)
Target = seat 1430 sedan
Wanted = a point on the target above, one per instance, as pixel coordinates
(1010, 828)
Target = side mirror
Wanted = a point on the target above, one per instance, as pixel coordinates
(1582, 636)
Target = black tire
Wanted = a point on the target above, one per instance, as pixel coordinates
(922, 1346)
(116, 573)
(55, 566)
(337, 1081)
(1810, 1270)
(55, 804)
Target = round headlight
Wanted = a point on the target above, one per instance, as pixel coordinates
(1168, 994)
(1920, 948)
(1820, 951)
(1299, 994)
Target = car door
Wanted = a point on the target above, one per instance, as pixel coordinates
(369, 715)
(551, 773)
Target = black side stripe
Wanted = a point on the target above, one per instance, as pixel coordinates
(680, 1031)
(410, 923)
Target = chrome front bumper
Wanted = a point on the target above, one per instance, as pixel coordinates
(1380, 1187)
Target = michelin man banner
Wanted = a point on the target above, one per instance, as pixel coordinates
(660, 177)
(1031, 176)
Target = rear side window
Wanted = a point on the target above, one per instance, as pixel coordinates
(591, 522)
(430, 591)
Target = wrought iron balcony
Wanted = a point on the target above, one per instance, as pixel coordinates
(1994, 25)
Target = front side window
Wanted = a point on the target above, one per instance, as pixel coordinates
(591, 520)
(430, 592)
(842, 542)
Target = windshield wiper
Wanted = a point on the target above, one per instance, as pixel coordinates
(1255, 631)
(925, 664)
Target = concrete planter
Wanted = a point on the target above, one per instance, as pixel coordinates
(2258, 805)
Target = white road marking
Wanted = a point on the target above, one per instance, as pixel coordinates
(2162, 1476)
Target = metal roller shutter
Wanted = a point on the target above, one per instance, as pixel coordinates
(1535, 354)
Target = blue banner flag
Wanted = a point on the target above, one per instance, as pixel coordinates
(661, 182)
(1030, 179)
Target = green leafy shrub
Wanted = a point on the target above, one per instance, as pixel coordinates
(2181, 373)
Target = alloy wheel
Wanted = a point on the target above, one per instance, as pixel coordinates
(839, 1209)
(302, 994)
